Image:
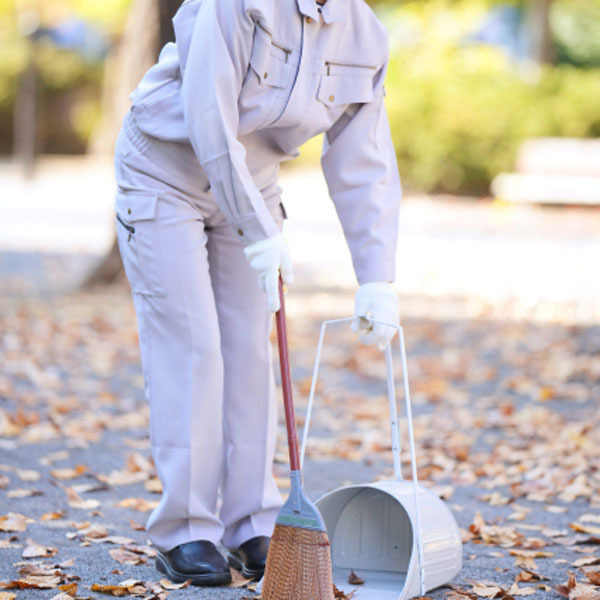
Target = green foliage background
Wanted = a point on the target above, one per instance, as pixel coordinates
(458, 111)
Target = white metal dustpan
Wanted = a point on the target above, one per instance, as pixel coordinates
(397, 536)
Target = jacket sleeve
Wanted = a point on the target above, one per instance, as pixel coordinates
(213, 66)
(359, 164)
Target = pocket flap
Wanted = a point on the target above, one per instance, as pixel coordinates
(135, 205)
(270, 70)
(336, 90)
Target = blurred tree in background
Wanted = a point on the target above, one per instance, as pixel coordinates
(468, 79)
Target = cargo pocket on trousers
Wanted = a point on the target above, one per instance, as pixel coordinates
(136, 215)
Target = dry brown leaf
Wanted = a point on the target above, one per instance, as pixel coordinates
(35, 581)
(69, 588)
(515, 590)
(337, 593)
(153, 485)
(54, 456)
(110, 539)
(129, 587)
(23, 493)
(531, 553)
(136, 526)
(123, 478)
(525, 575)
(68, 473)
(579, 487)
(590, 529)
(573, 590)
(35, 550)
(238, 580)
(487, 591)
(28, 475)
(62, 596)
(142, 549)
(585, 561)
(592, 573)
(137, 462)
(553, 508)
(125, 557)
(4, 481)
(140, 504)
(76, 501)
(169, 585)
(354, 579)
(51, 516)
(590, 518)
(13, 522)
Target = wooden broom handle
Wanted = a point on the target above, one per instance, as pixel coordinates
(286, 382)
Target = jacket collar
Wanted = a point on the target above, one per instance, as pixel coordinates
(332, 11)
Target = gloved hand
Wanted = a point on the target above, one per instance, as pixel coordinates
(376, 301)
(268, 257)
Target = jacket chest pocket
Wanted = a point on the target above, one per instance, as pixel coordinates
(136, 233)
(268, 81)
(342, 84)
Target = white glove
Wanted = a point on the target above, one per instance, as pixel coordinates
(376, 301)
(268, 257)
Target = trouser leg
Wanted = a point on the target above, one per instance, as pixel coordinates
(251, 500)
(183, 370)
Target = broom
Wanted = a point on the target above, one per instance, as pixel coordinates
(298, 563)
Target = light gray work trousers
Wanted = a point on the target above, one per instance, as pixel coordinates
(204, 330)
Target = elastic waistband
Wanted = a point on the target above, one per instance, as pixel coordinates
(136, 136)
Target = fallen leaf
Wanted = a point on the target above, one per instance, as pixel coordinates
(76, 501)
(354, 579)
(136, 526)
(592, 573)
(28, 475)
(585, 561)
(590, 518)
(13, 522)
(67, 473)
(69, 588)
(487, 591)
(23, 493)
(140, 504)
(515, 590)
(169, 585)
(51, 516)
(35, 550)
(579, 528)
(125, 557)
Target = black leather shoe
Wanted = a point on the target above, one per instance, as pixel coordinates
(200, 562)
(251, 557)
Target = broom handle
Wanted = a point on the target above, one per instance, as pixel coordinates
(286, 382)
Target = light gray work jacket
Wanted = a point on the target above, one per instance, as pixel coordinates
(248, 81)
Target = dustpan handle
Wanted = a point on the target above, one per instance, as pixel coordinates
(394, 422)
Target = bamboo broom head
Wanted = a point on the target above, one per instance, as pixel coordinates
(298, 565)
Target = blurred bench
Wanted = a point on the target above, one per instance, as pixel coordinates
(553, 171)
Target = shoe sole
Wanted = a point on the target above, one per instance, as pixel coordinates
(238, 565)
(206, 579)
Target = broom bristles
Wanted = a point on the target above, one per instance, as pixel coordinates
(298, 565)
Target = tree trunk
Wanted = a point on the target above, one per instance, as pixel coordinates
(24, 136)
(541, 34)
(148, 29)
